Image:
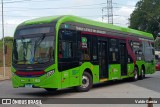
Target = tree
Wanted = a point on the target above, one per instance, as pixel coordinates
(146, 16)
(157, 43)
(8, 39)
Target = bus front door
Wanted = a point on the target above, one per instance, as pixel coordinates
(103, 65)
(123, 58)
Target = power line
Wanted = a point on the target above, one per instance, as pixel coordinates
(60, 7)
(56, 8)
(108, 12)
(66, 7)
(124, 5)
(39, 9)
(16, 1)
(63, 14)
(19, 1)
(46, 16)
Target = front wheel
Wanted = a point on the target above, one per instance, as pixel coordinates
(86, 83)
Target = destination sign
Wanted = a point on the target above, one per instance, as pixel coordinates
(90, 30)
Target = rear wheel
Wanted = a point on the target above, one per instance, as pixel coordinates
(86, 83)
(135, 78)
(142, 76)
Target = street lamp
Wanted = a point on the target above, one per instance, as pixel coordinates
(4, 60)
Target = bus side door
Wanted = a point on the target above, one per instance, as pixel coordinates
(103, 63)
(123, 58)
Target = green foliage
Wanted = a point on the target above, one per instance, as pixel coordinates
(1, 44)
(7, 39)
(157, 43)
(146, 16)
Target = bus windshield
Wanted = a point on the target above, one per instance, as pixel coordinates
(33, 50)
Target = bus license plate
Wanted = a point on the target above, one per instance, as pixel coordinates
(28, 85)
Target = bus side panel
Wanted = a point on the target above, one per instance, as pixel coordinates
(114, 71)
(73, 77)
(70, 78)
(139, 64)
(65, 79)
(150, 68)
(94, 70)
(95, 73)
(130, 70)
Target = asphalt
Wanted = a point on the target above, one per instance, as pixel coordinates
(148, 87)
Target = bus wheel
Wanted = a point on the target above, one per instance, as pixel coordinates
(135, 78)
(51, 89)
(86, 83)
(142, 76)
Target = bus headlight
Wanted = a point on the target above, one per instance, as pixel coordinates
(49, 73)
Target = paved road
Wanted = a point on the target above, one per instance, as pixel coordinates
(149, 87)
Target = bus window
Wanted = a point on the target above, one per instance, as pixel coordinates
(148, 51)
(113, 51)
(66, 41)
(85, 46)
(67, 50)
(94, 48)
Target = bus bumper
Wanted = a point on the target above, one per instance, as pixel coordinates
(36, 82)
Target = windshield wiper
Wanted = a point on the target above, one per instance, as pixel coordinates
(24, 48)
(37, 43)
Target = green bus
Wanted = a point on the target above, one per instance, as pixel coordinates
(68, 51)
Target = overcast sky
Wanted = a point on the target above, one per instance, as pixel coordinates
(17, 11)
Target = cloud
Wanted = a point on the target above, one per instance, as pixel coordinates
(79, 1)
(15, 21)
(11, 22)
(122, 15)
(10, 26)
(83, 1)
(132, 3)
(99, 19)
(124, 11)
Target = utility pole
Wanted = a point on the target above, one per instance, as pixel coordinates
(4, 59)
(109, 13)
(104, 15)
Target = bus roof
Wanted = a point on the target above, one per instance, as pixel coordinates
(70, 18)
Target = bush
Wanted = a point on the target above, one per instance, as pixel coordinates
(7, 39)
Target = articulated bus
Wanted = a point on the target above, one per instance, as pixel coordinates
(68, 51)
